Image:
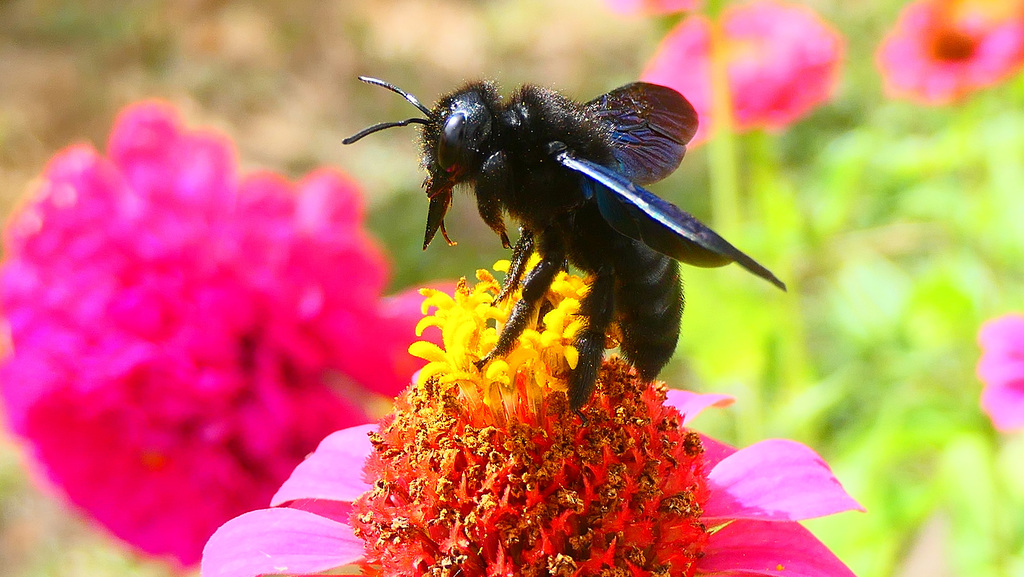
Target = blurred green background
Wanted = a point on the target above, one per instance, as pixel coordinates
(899, 229)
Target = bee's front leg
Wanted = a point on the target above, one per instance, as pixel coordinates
(535, 286)
(517, 264)
(491, 186)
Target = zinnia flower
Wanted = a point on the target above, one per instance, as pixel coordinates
(942, 50)
(782, 60)
(489, 472)
(180, 336)
(652, 6)
(1001, 368)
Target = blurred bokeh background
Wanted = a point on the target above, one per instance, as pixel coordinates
(899, 228)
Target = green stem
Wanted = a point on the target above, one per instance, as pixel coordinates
(725, 201)
(714, 8)
(775, 203)
(725, 196)
(796, 370)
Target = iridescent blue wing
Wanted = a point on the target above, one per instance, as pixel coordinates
(661, 225)
(651, 125)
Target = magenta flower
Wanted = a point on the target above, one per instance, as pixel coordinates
(1001, 368)
(782, 60)
(182, 336)
(491, 473)
(942, 50)
(652, 6)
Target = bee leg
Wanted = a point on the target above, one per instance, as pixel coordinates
(520, 254)
(535, 285)
(597, 307)
(491, 185)
(583, 418)
(650, 304)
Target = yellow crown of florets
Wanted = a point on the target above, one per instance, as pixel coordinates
(541, 358)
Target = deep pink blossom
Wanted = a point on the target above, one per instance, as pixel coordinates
(756, 496)
(782, 61)
(653, 6)
(1001, 368)
(182, 335)
(941, 50)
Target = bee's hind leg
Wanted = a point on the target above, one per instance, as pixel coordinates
(597, 307)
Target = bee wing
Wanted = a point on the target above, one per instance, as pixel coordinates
(651, 125)
(661, 225)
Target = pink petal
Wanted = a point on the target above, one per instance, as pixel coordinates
(767, 548)
(691, 404)
(714, 451)
(157, 155)
(650, 7)
(396, 330)
(340, 511)
(777, 480)
(1004, 404)
(328, 198)
(1001, 368)
(997, 369)
(279, 541)
(144, 130)
(333, 471)
(1004, 334)
(682, 61)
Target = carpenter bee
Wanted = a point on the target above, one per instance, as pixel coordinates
(569, 174)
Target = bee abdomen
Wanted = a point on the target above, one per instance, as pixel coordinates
(649, 302)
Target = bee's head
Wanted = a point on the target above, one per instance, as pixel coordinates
(455, 137)
(465, 130)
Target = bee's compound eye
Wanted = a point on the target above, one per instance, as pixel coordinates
(452, 140)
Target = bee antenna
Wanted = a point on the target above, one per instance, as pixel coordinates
(412, 99)
(382, 126)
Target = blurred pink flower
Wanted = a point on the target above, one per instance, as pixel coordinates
(942, 50)
(181, 336)
(653, 6)
(749, 502)
(782, 61)
(1001, 368)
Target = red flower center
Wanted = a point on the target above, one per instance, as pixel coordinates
(952, 45)
(537, 491)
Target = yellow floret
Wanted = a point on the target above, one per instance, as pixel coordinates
(470, 322)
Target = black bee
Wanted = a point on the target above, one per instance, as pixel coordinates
(568, 172)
